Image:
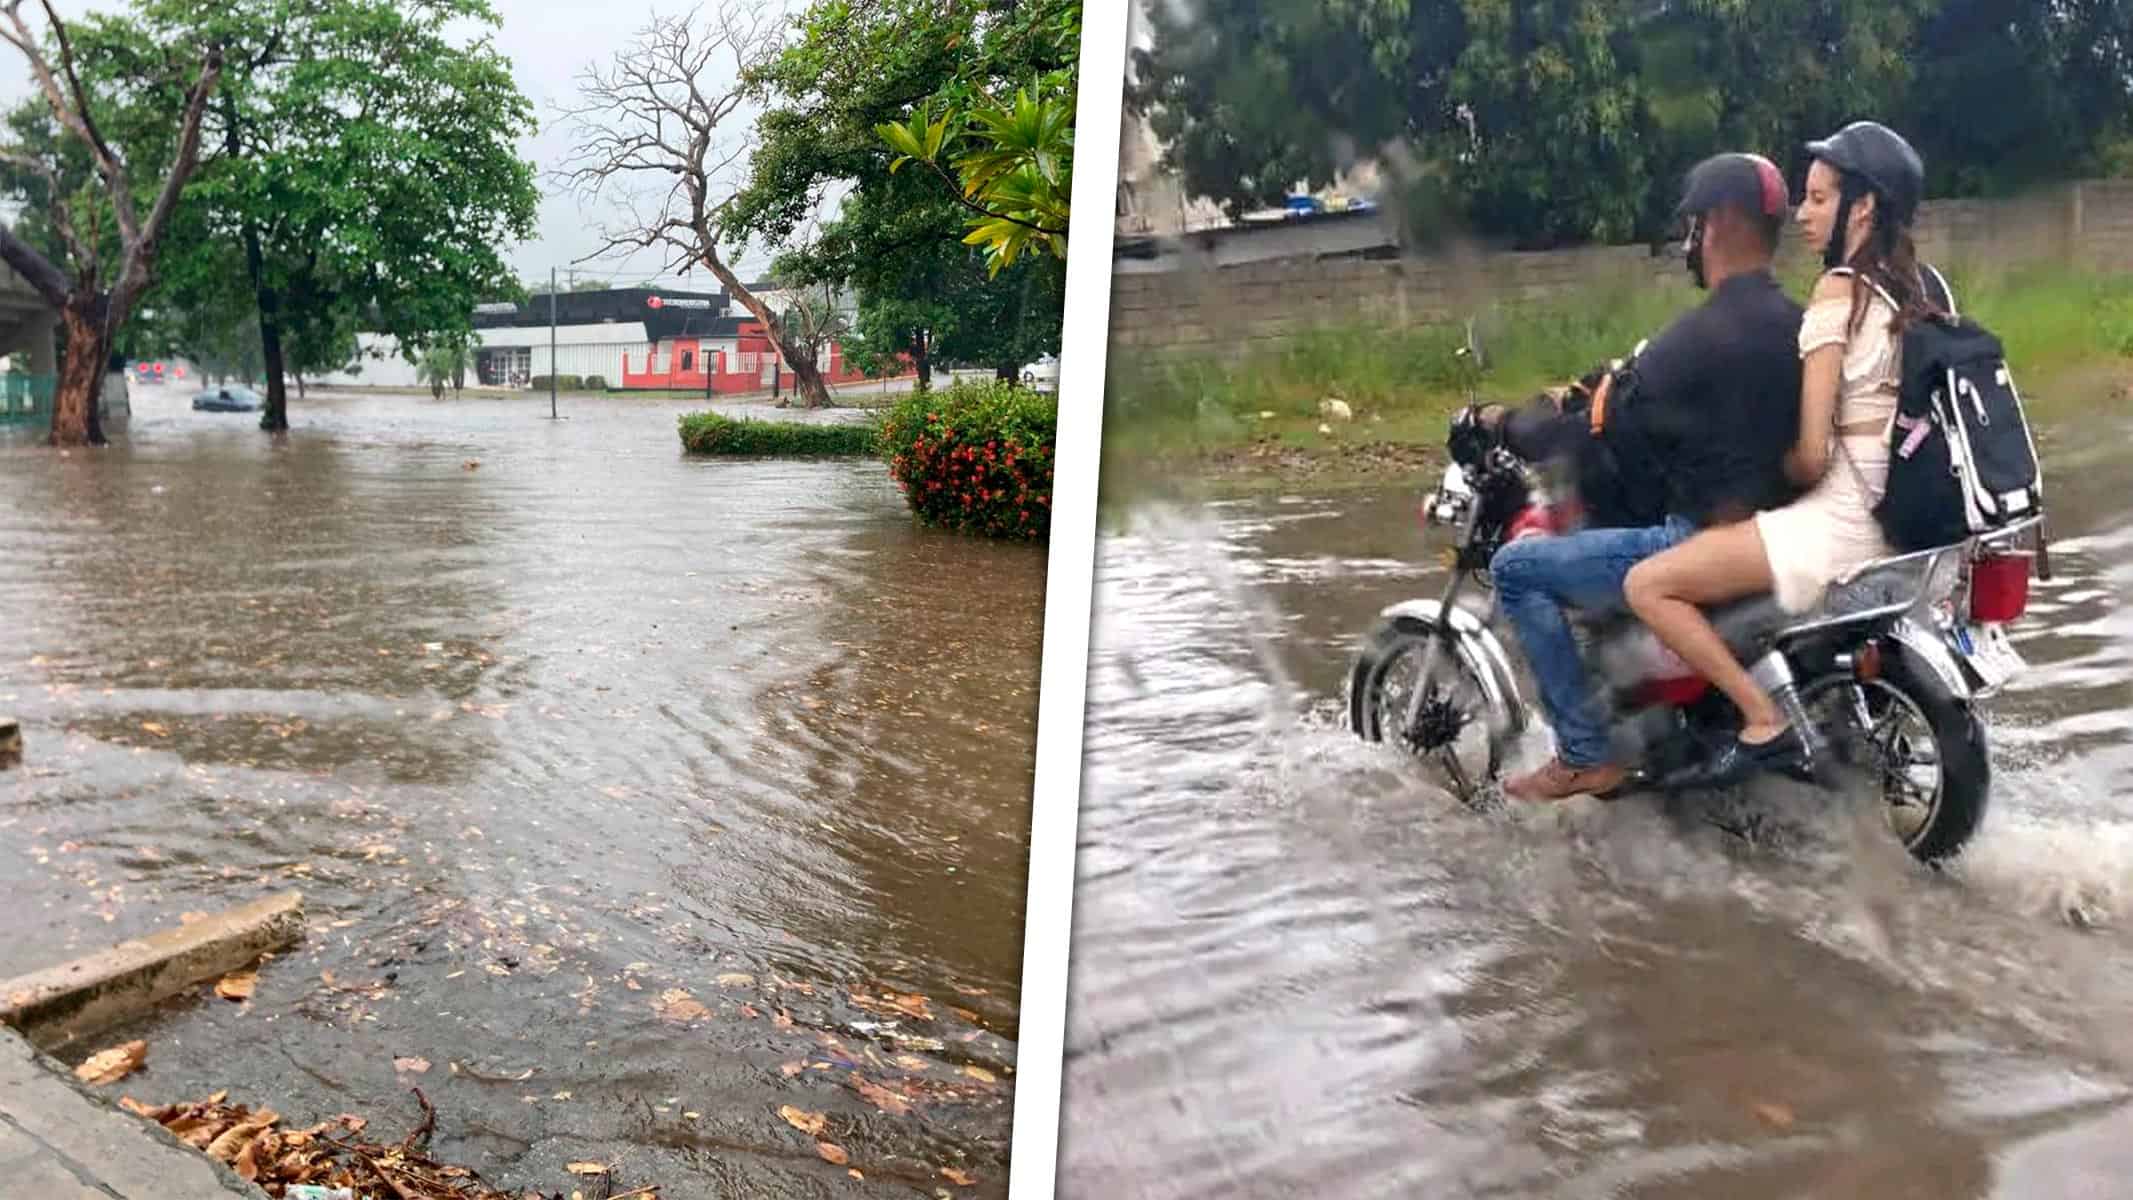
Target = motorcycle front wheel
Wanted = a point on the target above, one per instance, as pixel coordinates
(1922, 744)
(1458, 732)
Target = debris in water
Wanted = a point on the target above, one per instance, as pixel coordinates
(329, 1161)
(238, 985)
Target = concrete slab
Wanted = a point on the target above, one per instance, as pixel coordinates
(59, 1004)
(58, 1141)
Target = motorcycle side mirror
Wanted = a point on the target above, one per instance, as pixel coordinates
(1472, 350)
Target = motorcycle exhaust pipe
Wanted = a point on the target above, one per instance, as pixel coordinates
(1773, 674)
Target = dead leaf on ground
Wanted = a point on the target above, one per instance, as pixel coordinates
(157, 728)
(972, 991)
(958, 1177)
(417, 1065)
(674, 1004)
(980, 1074)
(792, 1068)
(912, 1062)
(832, 1153)
(736, 979)
(1777, 1116)
(233, 1140)
(587, 1168)
(966, 1015)
(881, 1097)
(813, 1124)
(915, 1006)
(110, 1066)
(238, 985)
(154, 1112)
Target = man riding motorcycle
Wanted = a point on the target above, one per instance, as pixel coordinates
(1691, 434)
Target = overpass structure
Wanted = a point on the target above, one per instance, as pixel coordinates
(27, 323)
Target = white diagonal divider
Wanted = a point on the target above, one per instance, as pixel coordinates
(1057, 796)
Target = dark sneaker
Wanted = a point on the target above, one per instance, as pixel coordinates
(1558, 780)
(1787, 753)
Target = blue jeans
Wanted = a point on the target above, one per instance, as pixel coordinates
(1536, 579)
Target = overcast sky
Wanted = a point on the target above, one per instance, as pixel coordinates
(549, 42)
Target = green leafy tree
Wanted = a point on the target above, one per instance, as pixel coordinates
(2009, 93)
(104, 173)
(1538, 121)
(1013, 169)
(362, 167)
(898, 236)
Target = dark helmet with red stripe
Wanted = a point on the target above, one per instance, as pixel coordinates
(1748, 183)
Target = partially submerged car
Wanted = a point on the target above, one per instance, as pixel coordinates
(232, 397)
(1042, 375)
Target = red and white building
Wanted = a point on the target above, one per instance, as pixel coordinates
(623, 339)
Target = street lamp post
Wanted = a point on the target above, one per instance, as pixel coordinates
(551, 344)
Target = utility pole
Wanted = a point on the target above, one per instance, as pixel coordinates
(551, 344)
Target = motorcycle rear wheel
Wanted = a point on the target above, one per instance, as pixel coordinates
(1925, 746)
(1460, 736)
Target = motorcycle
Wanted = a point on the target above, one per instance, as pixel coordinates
(1888, 670)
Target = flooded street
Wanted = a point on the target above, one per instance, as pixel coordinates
(631, 796)
(1301, 970)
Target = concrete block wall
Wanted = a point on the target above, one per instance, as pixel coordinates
(1219, 310)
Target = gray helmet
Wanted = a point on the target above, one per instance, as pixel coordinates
(1881, 159)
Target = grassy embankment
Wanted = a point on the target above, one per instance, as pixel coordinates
(1252, 420)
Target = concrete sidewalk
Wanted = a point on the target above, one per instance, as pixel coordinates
(59, 1142)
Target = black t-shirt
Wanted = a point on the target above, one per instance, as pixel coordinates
(1716, 404)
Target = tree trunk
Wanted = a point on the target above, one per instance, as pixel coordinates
(275, 417)
(80, 392)
(299, 385)
(922, 358)
(807, 384)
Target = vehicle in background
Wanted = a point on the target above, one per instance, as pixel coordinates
(233, 397)
(1042, 375)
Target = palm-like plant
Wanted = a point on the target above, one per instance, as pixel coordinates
(1016, 174)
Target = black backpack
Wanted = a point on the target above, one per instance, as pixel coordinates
(1961, 458)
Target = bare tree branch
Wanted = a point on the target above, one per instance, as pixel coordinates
(73, 114)
(50, 282)
(654, 112)
(141, 247)
(55, 204)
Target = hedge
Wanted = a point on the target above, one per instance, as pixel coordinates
(563, 383)
(714, 433)
(975, 457)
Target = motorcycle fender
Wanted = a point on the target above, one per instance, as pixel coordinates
(1491, 665)
(1930, 648)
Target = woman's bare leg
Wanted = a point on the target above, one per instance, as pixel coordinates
(1713, 567)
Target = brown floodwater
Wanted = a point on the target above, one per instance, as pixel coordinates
(637, 795)
(1300, 970)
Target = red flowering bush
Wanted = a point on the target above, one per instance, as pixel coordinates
(975, 458)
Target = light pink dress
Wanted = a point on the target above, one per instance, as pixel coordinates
(1830, 532)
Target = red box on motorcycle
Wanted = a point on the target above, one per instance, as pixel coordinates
(1999, 588)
